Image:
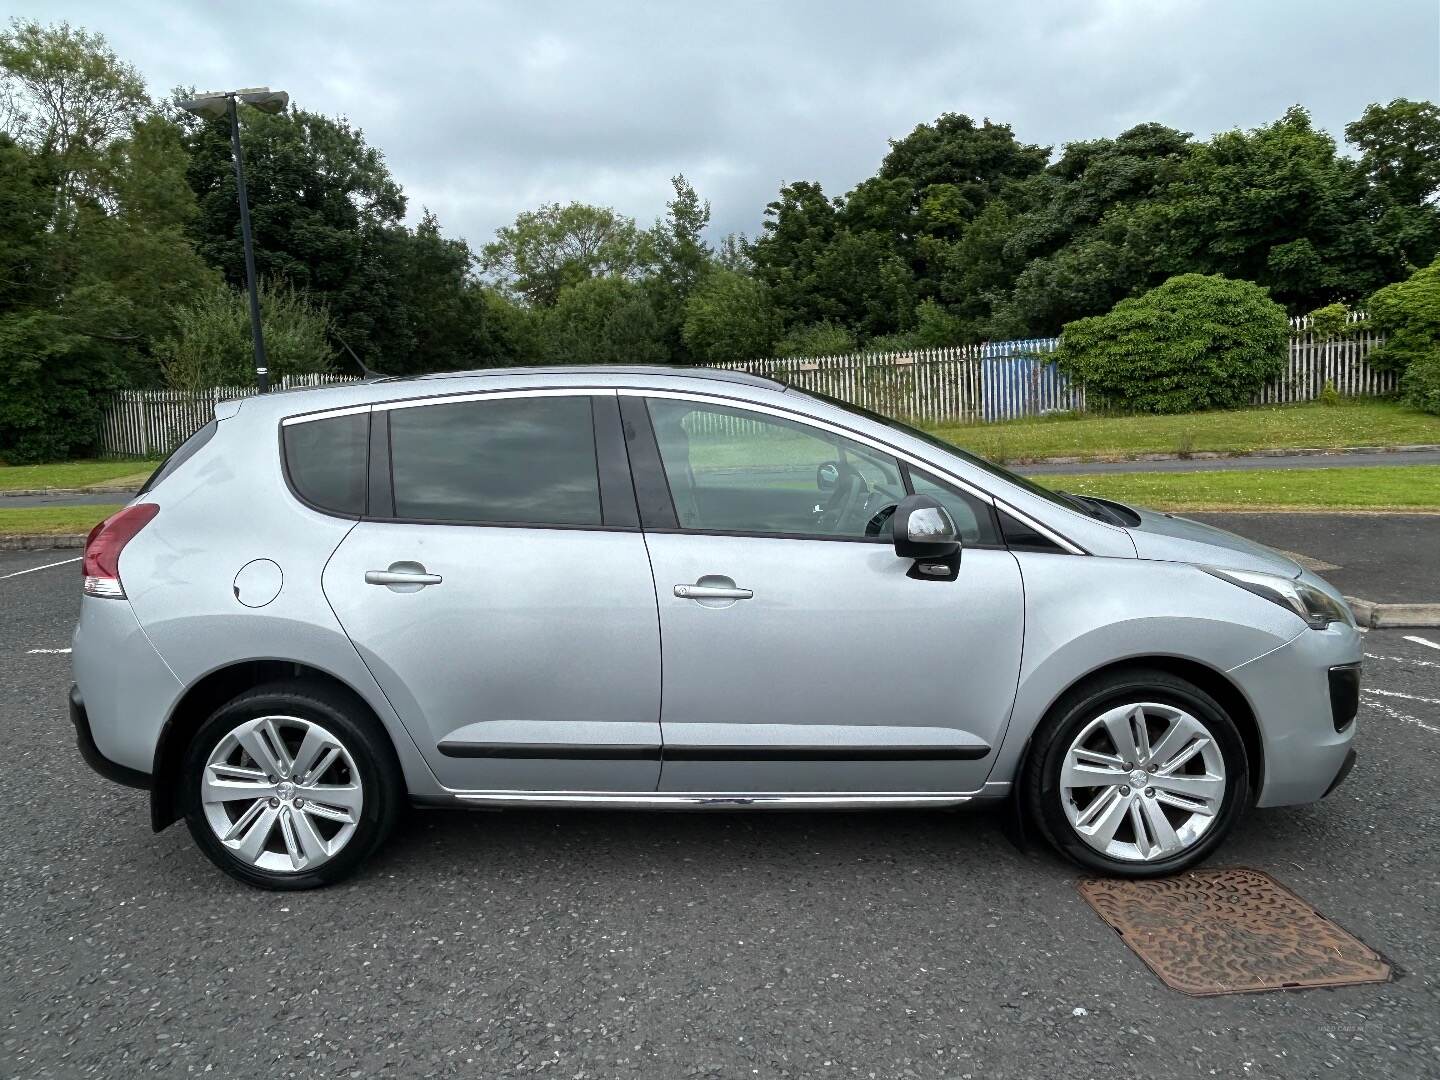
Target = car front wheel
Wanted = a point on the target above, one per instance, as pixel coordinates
(290, 786)
(1138, 774)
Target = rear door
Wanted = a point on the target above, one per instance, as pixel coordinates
(799, 655)
(499, 590)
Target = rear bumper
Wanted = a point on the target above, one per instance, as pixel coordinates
(85, 741)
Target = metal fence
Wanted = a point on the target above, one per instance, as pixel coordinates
(1000, 380)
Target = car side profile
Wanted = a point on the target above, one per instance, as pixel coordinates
(670, 588)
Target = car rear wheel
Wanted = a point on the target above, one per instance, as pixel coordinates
(290, 786)
(1137, 774)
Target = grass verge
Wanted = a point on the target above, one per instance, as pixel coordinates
(74, 474)
(1386, 487)
(1276, 427)
(52, 520)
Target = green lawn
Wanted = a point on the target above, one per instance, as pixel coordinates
(74, 474)
(1393, 487)
(52, 520)
(1352, 423)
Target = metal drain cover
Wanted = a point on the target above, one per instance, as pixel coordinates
(1231, 931)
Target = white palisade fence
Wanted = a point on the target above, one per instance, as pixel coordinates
(999, 380)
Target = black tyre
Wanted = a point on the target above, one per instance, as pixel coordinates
(291, 785)
(1138, 773)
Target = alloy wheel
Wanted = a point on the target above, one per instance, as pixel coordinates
(281, 793)
(1143, 782)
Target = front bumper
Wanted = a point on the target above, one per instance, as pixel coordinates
(85, 741)
(1305, 735)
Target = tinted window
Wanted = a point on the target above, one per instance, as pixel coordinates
(326, 461)
(972, 517)
(527, 460)
(736, 471)
(181, 454)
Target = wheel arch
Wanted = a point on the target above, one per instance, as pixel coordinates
(1211, 680)
(206, 695)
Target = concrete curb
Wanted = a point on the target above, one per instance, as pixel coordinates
(1386, 616)
(41, 541)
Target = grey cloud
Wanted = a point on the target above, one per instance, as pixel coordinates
(485, 109)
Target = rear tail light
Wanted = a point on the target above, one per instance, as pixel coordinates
(104, 544)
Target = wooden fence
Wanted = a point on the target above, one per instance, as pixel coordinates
(151, 423)
(1000, 380)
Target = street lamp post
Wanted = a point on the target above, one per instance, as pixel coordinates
(213, 106)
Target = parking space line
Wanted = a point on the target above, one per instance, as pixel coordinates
(1421, 641)
(47, 566)
(1396, 714)
(1369, 690)
(46, 652)
(1402, 660)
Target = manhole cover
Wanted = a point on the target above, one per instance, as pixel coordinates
(1231, 931)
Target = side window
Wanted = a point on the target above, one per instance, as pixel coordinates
(326, 459)
(972, 516)
(735, 471)
(511, 461)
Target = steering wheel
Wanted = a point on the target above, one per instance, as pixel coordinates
(849, 487)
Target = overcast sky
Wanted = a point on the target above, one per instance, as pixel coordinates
(484, 109)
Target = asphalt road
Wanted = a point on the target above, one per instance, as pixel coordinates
(589, 945)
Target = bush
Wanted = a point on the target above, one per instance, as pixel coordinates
(1195, 342)
(211, 343)
(1408, 313)
(729, 317)
(823, 338)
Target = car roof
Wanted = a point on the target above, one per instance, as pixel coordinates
(658, 370)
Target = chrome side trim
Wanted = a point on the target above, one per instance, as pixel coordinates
(794, 416)
(680, 800)
(493, 395)
(324, 414)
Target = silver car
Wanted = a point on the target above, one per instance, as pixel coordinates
(667, 588)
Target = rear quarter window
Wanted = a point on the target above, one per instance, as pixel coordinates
(325, 462)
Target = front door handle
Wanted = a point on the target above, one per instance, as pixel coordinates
(403, 577)
(711, 592)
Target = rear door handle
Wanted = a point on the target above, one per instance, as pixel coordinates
(711, 592)
(403, 577)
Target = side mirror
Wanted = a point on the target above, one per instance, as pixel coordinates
(827, 476)
(924, 530)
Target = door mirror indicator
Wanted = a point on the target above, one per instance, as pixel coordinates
(924, 530)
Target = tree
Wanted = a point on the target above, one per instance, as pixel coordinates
(557, 246)
(975, 161)
(822, 338)
(603, 320)
(678, 260)
(1408, 312)
(321, 202)
(1400, 149)
(1195, 342)
(729, 318)
(211, 344)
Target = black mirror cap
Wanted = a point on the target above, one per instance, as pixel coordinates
(924, 529)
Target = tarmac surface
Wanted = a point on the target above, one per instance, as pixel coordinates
(722, 945)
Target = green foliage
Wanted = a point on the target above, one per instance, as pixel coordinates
(728, 318)
(823, 338)
(1400, 148)
(603, 320)
(1329, 321)
(1195, 342)
(1329, 396)
(1408, 313)
(555, 247)
(211, 343)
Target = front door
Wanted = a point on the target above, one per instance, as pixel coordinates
(505, 603)
(798, 655)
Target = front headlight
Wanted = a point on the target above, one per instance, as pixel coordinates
(1318, 609)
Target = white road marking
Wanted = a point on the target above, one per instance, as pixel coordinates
(1421, 641)
(1395, 714)
(1403, 660)
(47, 652)
(62, 562)
(1366, 690)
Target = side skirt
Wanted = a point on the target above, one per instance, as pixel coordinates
(700, 800)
